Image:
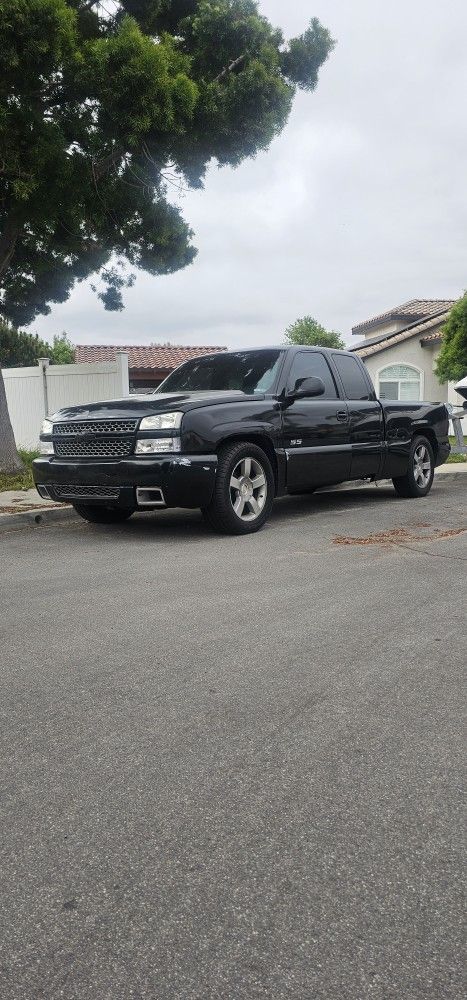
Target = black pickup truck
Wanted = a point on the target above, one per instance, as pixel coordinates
(228, 433)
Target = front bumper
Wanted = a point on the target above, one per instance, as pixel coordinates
(185, 480)
(444, 451)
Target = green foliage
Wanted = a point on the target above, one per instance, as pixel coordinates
(451, 365)
(20, 480)
(307, 331)
(21, 350)
(302, 60)
(102, 111)
(62, 351)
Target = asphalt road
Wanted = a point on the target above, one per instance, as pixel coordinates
(231, 768)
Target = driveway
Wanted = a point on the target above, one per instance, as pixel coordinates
(231, 767)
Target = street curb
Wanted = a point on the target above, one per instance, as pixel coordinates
(451, 475)
(362, 484)
(36, 518)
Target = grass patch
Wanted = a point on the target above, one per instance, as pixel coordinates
(21, 480)
(455, 457)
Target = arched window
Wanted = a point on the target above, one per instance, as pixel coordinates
(400, 382)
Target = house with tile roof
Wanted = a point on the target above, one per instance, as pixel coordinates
(148, 366)
(400, 348)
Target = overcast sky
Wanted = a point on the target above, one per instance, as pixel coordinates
(358, 206)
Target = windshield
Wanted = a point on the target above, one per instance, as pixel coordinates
(244, 371)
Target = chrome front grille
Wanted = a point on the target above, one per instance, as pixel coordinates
(96, 427)
(94, 438)
(86, 492)
(98, 448)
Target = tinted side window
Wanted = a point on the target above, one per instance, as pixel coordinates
(307, 364)
(355, 384)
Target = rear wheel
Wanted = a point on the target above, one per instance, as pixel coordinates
(244, 490)
(102, 515)
(420, 473)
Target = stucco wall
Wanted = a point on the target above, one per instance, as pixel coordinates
(390, 326)
(410, 352)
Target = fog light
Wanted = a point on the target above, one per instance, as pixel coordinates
(156, 446)
(46, 447)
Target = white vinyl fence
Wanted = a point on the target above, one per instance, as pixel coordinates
(35, 393)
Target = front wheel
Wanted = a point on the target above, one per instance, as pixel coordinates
(418, 479)
(102, 515)
(244, 490)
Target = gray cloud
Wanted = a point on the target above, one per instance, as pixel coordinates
(360, 204)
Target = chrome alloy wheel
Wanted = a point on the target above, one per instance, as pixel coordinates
(422, 466)
(248, 489)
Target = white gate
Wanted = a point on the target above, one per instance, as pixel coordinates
(35, 393)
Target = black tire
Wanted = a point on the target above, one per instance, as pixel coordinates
(220, 514)
(418, 480)
(102, 515)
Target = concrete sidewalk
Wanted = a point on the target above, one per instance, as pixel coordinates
(23, 507)
(13, 501)
(451, 468)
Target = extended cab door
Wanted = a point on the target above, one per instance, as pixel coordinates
(366, 416)
(315, 431)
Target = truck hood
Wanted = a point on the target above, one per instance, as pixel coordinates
(137, 407)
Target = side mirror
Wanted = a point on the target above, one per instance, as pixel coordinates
(307, 388)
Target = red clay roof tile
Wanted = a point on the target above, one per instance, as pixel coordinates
(143, 358)
(414, 309)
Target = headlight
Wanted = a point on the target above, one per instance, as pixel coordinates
(46, 447)
(161, 422)
(154, 446)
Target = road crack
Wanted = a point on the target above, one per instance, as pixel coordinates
(399, 537)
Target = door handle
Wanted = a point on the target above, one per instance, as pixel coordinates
(342, 416)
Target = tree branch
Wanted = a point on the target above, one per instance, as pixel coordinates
(8, 241)
(98, 3)
(89, 4)
(102, 167)
(230, 69)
